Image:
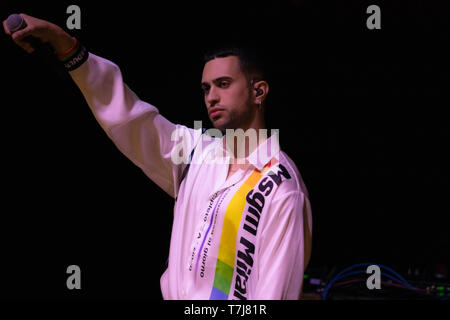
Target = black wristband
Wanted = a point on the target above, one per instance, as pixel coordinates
(76, 59)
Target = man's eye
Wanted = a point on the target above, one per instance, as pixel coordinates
(224, 84)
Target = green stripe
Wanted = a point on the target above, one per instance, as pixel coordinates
(224, 270)
(223, 277)
(222, 283)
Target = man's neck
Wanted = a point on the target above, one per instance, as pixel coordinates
(241, 144)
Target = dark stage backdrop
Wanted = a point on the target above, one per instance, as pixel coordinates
(363, 113)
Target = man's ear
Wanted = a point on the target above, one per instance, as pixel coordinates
(260, 91)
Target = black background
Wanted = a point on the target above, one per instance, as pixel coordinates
(361, 112)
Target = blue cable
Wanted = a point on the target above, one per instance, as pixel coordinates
(400, 278)
(398, 275)
(342, 274)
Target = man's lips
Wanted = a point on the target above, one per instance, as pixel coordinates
(214, 112)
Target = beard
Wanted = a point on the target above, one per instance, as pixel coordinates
(236, 118)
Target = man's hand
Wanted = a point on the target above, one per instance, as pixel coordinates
(43, 30)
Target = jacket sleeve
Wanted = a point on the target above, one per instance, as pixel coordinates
(285, 248)
(148, 139)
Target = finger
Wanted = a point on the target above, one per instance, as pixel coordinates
(19, 35)
(6, 28)
(24, 45)
(27, 47)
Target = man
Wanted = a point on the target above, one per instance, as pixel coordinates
(242, 218)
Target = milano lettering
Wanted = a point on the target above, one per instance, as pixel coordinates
(256, 199)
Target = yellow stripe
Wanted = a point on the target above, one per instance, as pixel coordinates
(232, 220)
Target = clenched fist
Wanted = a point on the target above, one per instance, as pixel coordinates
(45, 31)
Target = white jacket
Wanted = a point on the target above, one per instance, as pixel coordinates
(246, 237)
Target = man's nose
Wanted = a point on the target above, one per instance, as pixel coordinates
(212, 97)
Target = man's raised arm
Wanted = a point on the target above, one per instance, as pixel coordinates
(136, 127)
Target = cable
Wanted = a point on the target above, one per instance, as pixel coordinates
(337, 277)
(338, 284)
(342, 274)
(343, 283)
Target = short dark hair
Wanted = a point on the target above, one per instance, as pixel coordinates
(251, 64)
